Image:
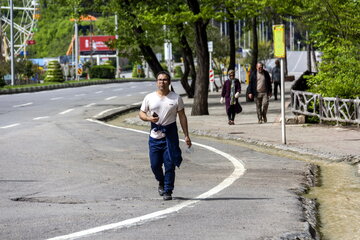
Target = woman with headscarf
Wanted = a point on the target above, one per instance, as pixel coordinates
(230, 94)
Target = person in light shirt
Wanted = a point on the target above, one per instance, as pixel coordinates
(161, 109)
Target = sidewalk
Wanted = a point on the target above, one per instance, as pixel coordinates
(331, 142)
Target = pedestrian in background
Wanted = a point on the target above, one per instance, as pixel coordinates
(161, 109)
(230, 96)
(260, 90)
(276, 78)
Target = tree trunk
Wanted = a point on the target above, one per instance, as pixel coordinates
(146, 50)
(200, 106)
(314, 59)
(308, 50)
(232, 42)
(255, 47)
(148, 53)
(189, 65)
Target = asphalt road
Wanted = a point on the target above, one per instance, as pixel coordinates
(62, 174)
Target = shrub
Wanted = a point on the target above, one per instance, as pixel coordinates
(102, 71)
(54, 72)
(2, 81)
(138, 73)
(178, 72)
(339, 73)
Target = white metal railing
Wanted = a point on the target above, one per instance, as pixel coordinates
(326, 108)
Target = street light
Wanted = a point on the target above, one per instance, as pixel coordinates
(12, 43)
(298, 42)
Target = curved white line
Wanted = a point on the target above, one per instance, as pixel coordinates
(239, 170)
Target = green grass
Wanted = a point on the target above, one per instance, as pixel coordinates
(52, 83)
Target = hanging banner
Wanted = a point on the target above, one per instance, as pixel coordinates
(279, 41)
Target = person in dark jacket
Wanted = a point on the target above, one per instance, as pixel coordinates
(276, 77)
(230, 95)
(260, 91)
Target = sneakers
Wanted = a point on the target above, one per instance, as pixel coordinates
(167, 196)
(161, 189)
(265, 119)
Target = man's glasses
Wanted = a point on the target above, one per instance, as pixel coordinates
(163, 80)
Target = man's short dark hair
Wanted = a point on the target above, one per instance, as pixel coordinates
(165, 73)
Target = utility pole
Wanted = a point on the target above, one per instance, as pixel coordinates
(280, 52)
(1, 43)
(12, 43)
(117, 75)
(76, 50)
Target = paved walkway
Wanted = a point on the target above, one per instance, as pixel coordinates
(332, 142)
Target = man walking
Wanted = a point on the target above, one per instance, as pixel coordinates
(161, 108)
(260, 90)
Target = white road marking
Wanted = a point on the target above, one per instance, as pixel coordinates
(10, 126)
(129, 95)
(133, 87)
(110, 98)
(99, 92)
(56, 98)
(23, 105)
(66, 111)
(80, 95)
(239, 170)
(39, 118)
(90, 105)
(143, 93)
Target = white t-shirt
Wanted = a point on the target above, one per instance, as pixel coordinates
(166, 107)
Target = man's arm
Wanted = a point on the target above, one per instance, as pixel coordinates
(268, 78)
(143, 116)
(184, 126)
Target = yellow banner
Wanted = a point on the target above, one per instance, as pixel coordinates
(279, 41)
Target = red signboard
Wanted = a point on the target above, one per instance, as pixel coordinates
(94, 43)
(30, 42)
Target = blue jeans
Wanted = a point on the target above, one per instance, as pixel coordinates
(159, 156)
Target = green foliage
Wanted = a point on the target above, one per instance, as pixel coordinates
(178, 72)
(265, 53)
(54, 72)
(164, 66)
(2, 82)
(102, 71)
(55, 30)
(138, 73)
(339, 73)
(4, 69)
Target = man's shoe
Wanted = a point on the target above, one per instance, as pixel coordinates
(167, 196)
(259, 122)
(161, 189)
(265, 119)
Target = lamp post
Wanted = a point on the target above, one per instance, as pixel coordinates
(117, 50)
(12, 43)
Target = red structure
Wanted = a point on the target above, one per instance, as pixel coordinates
(95, 45)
